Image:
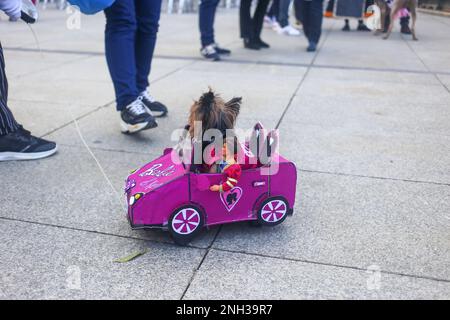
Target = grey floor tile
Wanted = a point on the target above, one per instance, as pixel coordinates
(399, 226)
(70, 190)
(227, 275)
(57, 263)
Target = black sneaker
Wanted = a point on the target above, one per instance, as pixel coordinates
(405, 29)
(346, 27)
(221, 51)
(252, 45)
(136, 117)
(262, 44)
(362, 27)
(157, 109)
(210, 53)
(21, 145)
(312, 47)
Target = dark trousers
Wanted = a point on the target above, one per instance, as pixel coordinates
(206, 15)
(283, 13)
(7, 122)
(251, 27)
(130, 38)
(310, 13)
(330, 6)
(273, 10)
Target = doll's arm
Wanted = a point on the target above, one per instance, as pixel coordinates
(233, 173)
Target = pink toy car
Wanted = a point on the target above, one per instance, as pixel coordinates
(167, 194)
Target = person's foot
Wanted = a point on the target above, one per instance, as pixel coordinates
(268, 21)
(346, 27)
(136, 117)
(252, 45)
(210, 53)
(311, 47)
(221, 51)
(21, 145)
(297, 24)
(289, 31)
(405, 29)
(328, 14)
(362, 27)
(157, 109)
(276, 26)
(262, 44)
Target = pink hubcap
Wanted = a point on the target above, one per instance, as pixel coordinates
(186, 221)
(273, 211)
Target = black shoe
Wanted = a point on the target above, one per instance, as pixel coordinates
(263, 44)
(405, 29)
(157, 109)
(346, 27)
(21, 145)
(362, 27)
(210, 53)
(221, 51)
(136, 117)
(311, 47)
(252, 45)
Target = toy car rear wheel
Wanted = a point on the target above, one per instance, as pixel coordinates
(273, 211)
(185, 223)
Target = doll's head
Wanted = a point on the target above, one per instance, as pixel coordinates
(229, 148)
(213, 113)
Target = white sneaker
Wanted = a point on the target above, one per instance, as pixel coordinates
(289, 31)
(267, 22)
(276, 26)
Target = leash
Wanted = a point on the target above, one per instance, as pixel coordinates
(29, 16)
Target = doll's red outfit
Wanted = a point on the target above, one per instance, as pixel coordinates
(232, 173)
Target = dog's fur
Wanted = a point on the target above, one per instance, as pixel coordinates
(411, 5)
(214, 113)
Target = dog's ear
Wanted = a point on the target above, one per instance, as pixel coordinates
(234, 105)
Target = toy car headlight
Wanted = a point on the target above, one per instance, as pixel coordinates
(134, 198)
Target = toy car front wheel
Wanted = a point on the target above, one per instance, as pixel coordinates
(273, 211)
(185, 223)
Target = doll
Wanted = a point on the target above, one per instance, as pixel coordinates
(228, 166)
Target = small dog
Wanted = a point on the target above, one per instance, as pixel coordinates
(397, 5)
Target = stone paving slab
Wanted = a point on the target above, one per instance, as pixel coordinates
(63, 91)
(399, 226)
(267, 102)
(433, 46)
(24, 63)
(340, 49)
(41, 117)
(57, 263)
(69, 190)
(226, 275)
(364, 127)
(356, 116)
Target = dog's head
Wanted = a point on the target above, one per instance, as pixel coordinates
(213, 113)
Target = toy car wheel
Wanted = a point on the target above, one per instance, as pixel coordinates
(273, 211)
(185, 223)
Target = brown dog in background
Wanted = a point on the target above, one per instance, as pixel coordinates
(411, 5)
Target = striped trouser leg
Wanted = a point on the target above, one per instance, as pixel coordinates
(7, 122)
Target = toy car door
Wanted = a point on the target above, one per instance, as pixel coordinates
(236, 204)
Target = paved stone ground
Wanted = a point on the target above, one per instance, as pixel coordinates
(367, 121)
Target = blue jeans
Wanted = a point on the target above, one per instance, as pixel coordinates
(206, 15)
(130, 38)
(283, 13)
